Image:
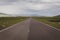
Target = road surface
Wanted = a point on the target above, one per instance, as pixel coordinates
(30, 30)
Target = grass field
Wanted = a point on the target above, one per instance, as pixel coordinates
(53, 21)
(9, 21)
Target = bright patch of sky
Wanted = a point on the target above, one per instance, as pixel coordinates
(30, 7)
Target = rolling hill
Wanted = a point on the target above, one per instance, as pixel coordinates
(5, 15)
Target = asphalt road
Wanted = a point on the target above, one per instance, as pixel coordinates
(30, 30)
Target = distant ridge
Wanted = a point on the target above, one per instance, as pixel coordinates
(5, 15)
(57, 16)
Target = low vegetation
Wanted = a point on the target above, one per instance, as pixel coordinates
(9, 21)
(53, 21)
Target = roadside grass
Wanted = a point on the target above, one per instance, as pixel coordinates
(9, 21)
(52, 21)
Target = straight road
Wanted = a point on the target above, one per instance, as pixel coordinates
(30, 30)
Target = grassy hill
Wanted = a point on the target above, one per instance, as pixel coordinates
(57, 16)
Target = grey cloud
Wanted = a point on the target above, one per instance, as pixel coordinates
(54, 10)
(42, 1)
(7, 2)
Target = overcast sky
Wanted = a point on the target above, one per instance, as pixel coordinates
(30, 7)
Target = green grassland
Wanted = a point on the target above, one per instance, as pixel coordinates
(52, 21)
(9, 21)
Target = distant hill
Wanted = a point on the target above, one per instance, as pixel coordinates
(58, 16)
(2, 14)
(5, 15)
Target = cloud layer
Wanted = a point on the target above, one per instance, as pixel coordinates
(30, 7)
